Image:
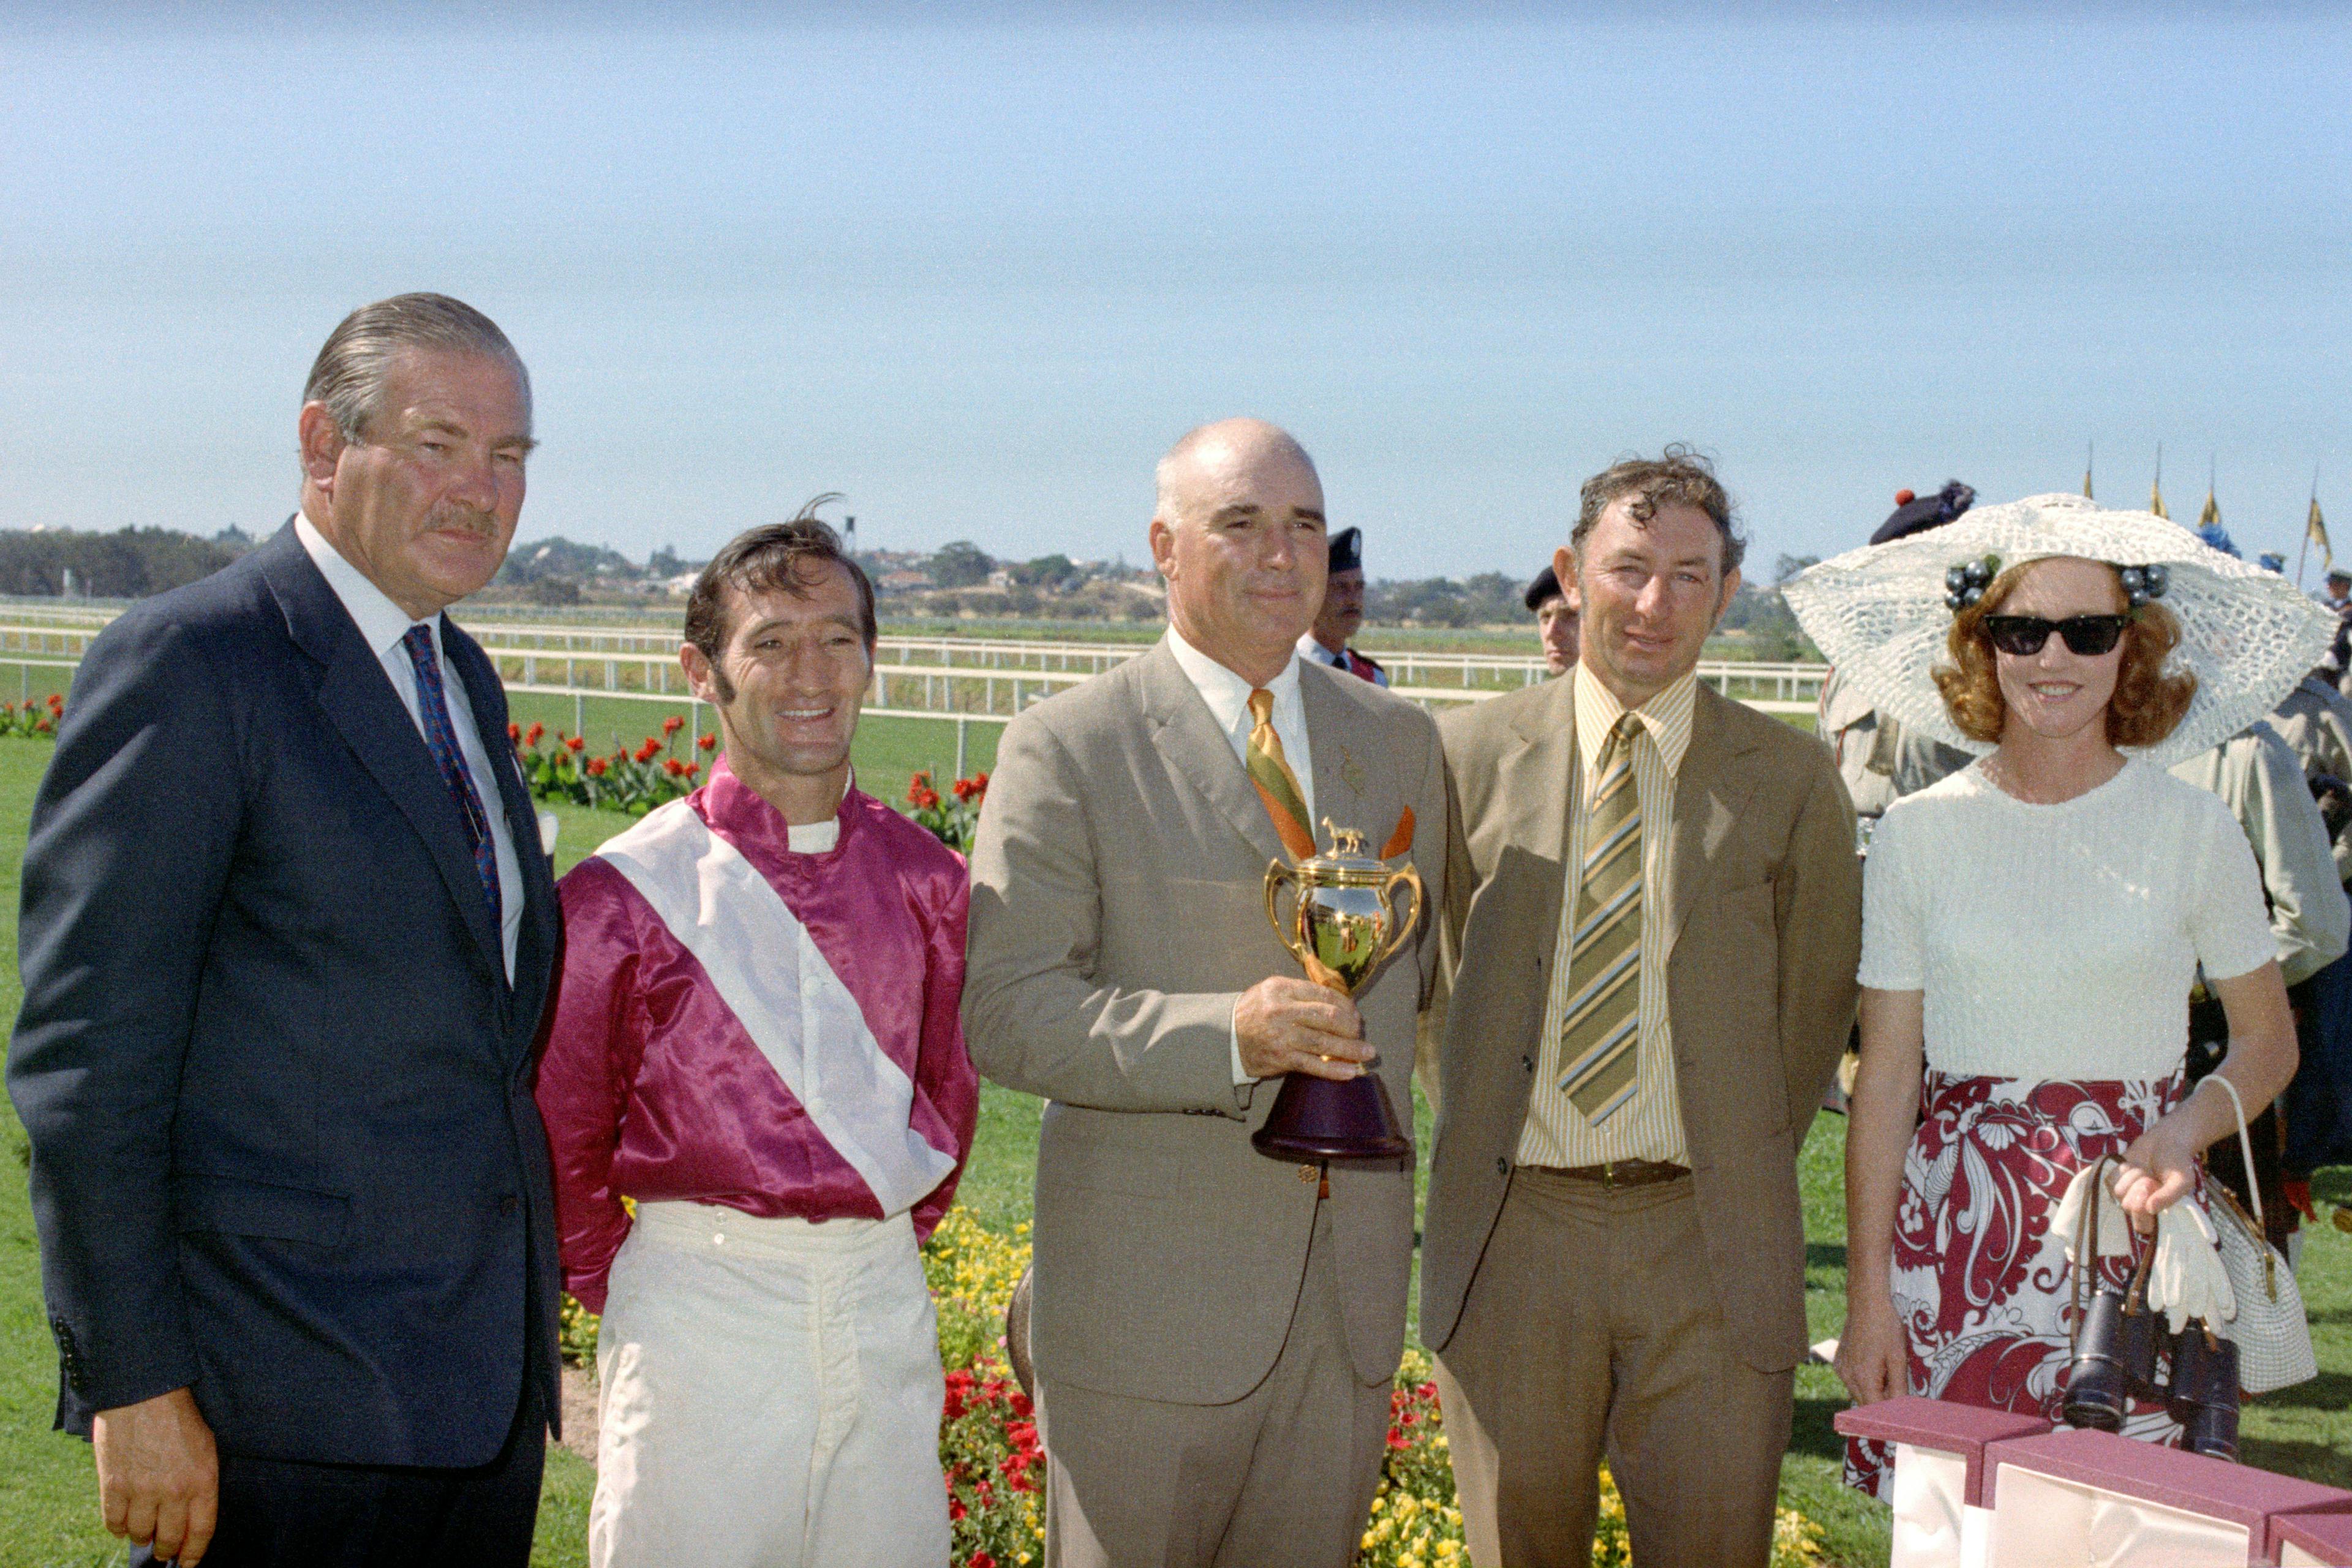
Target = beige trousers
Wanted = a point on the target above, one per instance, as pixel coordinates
(1590, 1327)
(1282, 1478)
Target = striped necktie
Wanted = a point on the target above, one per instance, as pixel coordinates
(1601, 1028)
(1277, 787)
(449, 760)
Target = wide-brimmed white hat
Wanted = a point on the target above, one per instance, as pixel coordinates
(1881, 613)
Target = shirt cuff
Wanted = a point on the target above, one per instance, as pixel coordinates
(1234, 1038)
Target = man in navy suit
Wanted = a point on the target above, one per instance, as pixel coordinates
(286, 937)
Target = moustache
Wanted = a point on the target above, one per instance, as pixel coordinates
(462, 520)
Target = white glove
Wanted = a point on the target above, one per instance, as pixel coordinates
(2115, 1226)
(2187, 1279)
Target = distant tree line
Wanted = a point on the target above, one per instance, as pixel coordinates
(1484, 600)
(128, 565)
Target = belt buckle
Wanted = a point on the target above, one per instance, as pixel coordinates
(1609, 1175)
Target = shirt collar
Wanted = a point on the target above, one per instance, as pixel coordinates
(1309, 648)
(381, 622)
(1668, 716)
(746, 819)
(1227, 693)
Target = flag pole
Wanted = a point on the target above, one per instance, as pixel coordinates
(2304, 553)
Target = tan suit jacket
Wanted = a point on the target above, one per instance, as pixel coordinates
(1118, 911)
(1765, 907)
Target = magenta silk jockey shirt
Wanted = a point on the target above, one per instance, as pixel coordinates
(653, 1088)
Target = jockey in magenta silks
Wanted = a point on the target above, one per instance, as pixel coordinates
(755, 1041)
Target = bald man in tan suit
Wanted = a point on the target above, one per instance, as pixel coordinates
(1214, 1332)
(1615, 1252)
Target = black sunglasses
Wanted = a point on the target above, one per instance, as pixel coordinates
(2023, 636)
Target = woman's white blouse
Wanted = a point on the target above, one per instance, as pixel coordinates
(2059, 942)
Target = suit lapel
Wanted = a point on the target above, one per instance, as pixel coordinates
(360, 702)
(1344, 790)
(1196, 751)
(1540, 779)
(1714, 784)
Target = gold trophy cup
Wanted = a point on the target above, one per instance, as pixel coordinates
(1342, 928)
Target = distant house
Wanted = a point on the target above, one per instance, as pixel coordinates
(903, 580)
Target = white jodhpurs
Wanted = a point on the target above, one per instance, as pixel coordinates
(770, 1396)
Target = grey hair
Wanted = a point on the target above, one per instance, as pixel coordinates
(349, 374)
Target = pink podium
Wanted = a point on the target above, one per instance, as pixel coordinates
(1984, 1488)
(2093, 1497)
(1942, 1481)
(2321, 1538)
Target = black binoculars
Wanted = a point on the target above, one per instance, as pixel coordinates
(2123, 1351)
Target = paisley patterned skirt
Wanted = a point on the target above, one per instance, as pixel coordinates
(1980, 1285)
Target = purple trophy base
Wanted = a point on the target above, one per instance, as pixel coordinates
(1329, 1119)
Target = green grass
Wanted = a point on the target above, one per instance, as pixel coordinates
(48, 1500)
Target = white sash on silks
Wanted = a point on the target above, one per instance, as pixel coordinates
(769, 971)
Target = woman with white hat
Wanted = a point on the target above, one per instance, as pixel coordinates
(2033, 924)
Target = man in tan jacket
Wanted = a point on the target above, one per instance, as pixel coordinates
(1213, 1330)
(1615, 1252)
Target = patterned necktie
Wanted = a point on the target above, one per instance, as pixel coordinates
(1600, 1028)
(441, 738)
(1277, 787)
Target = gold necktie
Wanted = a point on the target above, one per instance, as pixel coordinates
(1601, 1028)
(1277, 787)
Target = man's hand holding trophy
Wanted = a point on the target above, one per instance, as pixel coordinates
(1343, 926)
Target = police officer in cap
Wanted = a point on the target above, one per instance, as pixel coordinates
(1556, 621)
(1343, 611)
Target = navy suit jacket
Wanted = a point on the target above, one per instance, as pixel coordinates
(277, 1081)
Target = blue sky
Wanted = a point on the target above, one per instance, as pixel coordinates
(977, 266)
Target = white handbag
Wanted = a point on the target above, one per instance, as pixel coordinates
(2273, 1336)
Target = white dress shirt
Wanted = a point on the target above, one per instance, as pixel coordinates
(1228, 696)
(382, 625)
(1310, 648)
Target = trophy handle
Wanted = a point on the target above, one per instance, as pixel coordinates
(1276, 874)
(1406, 924)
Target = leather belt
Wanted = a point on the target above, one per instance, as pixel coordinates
(1614, 1173)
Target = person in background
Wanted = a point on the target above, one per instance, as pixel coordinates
(287, 934)
(1644, 991)
(1215, 1332)
(755, 1040)
(2264, 783)
(2260, 779)
(2315, 721)
(1342, 614)
(1880, 761)
(2338, 595)
(1554, 609)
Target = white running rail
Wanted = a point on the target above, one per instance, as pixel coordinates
(934, 677)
